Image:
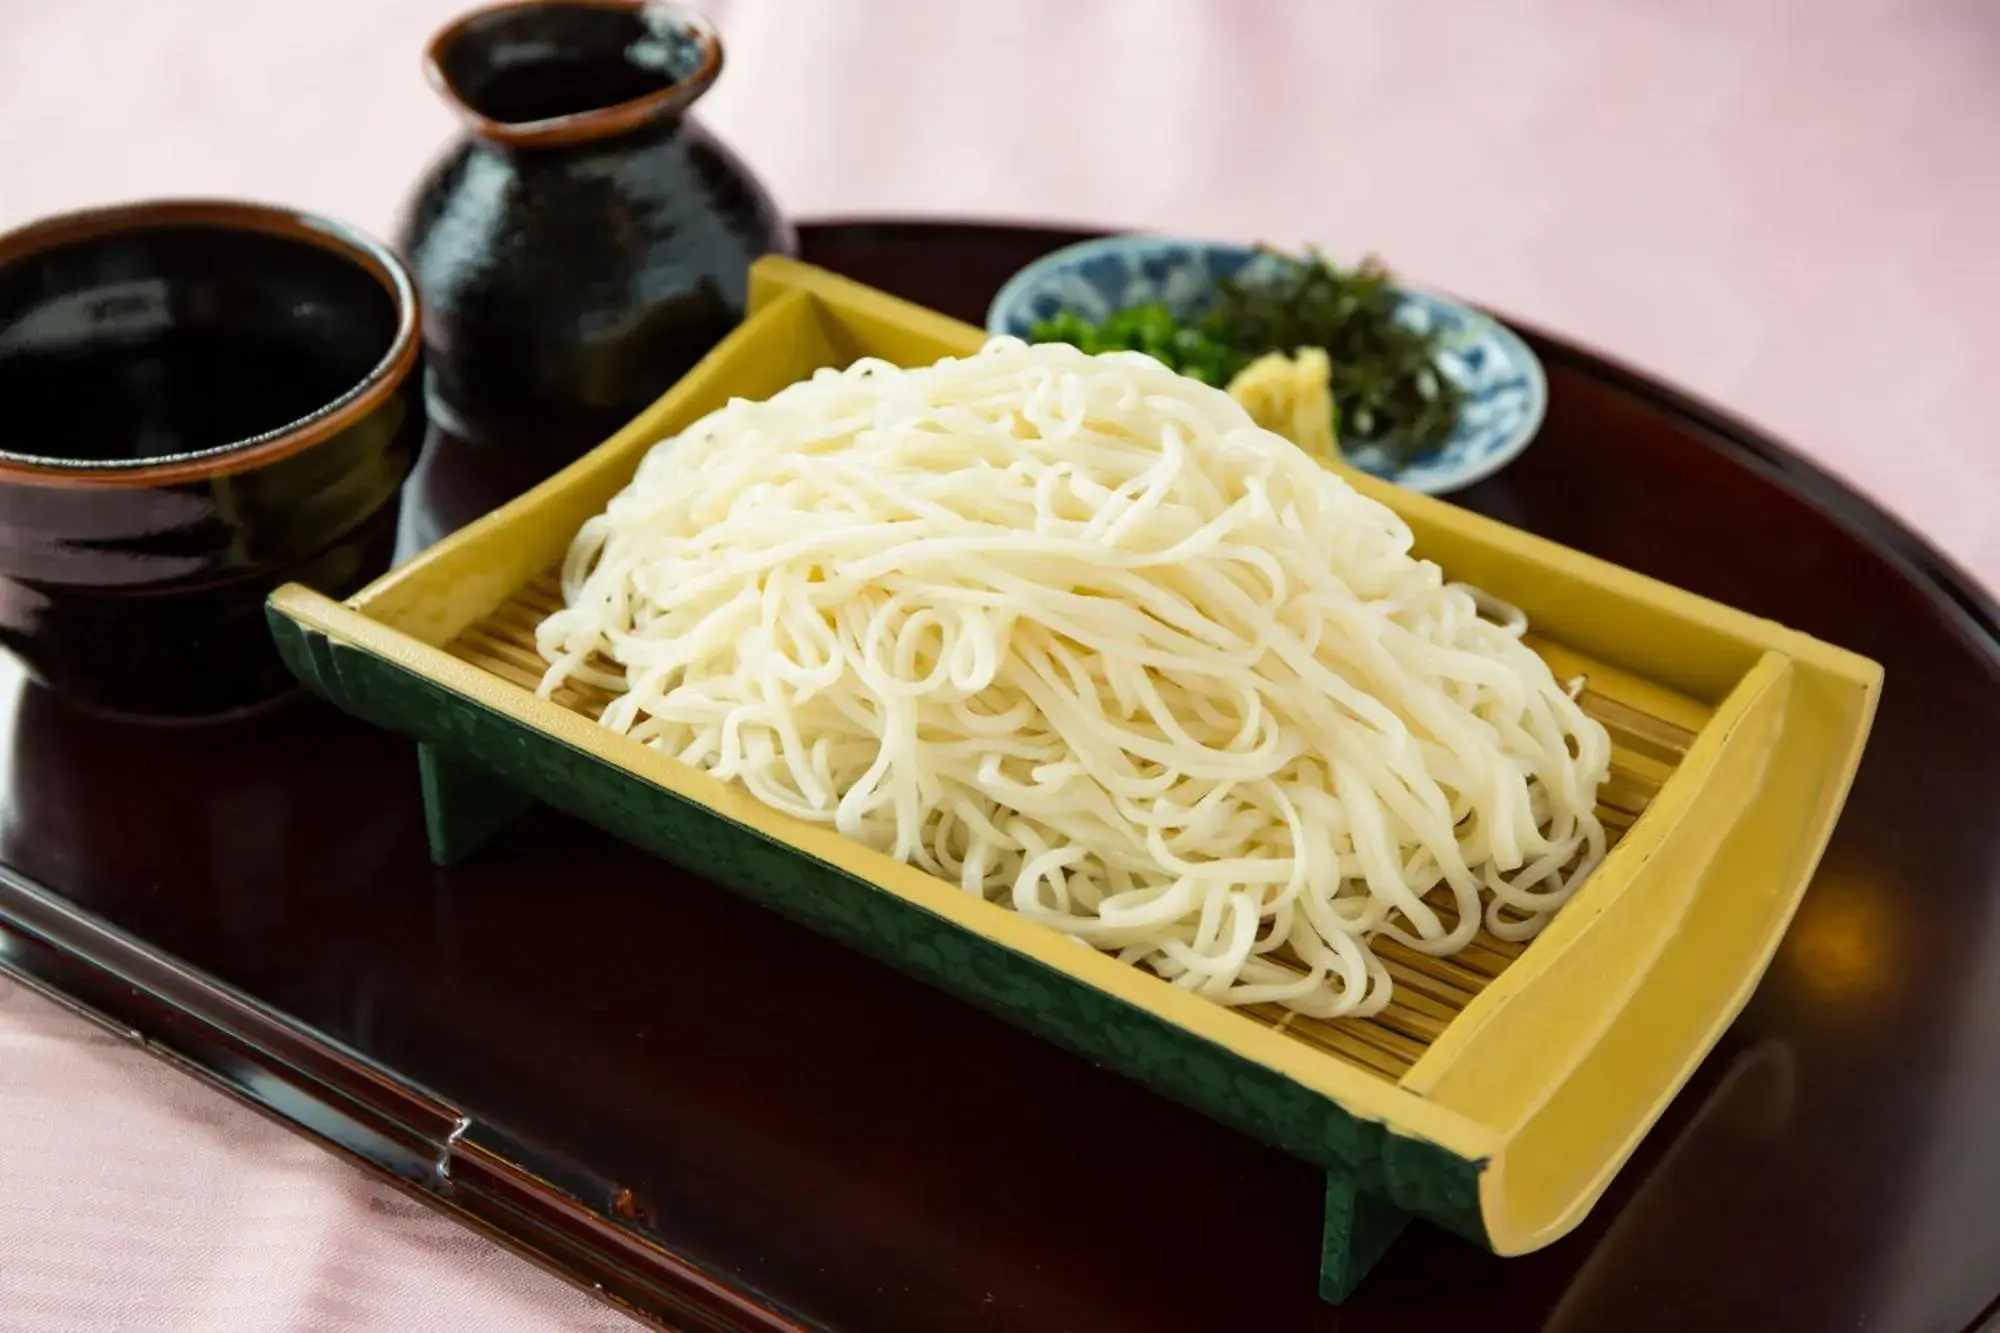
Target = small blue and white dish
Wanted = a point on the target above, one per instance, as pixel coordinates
(1506, 393)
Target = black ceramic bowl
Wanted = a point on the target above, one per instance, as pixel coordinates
(198, 401)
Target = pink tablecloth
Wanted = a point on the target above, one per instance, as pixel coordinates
(1788, 206)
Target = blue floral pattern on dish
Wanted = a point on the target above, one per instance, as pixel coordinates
(1505, 391)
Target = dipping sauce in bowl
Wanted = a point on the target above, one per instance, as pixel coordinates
(198, 401)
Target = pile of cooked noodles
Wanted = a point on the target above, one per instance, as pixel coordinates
(1072, 632)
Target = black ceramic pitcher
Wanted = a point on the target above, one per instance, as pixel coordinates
(586, 243)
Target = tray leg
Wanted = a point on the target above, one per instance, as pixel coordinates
(463, 805)
(1358, 1230)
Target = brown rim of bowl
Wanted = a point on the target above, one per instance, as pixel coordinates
(295, 437)
(580, 126)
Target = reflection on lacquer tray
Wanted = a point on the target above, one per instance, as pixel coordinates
(223, 842)
(1728, 1142)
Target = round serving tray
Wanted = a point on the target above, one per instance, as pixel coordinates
(712, 1115)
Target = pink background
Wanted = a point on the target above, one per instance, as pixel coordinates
(1788, 206)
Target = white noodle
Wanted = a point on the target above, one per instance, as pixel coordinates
(1073, 633)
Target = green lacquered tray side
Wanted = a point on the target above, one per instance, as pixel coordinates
(1413, 1175)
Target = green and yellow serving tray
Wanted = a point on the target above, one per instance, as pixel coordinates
(1504, 1087)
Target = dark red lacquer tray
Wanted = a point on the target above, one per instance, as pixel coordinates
(559, 1042)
